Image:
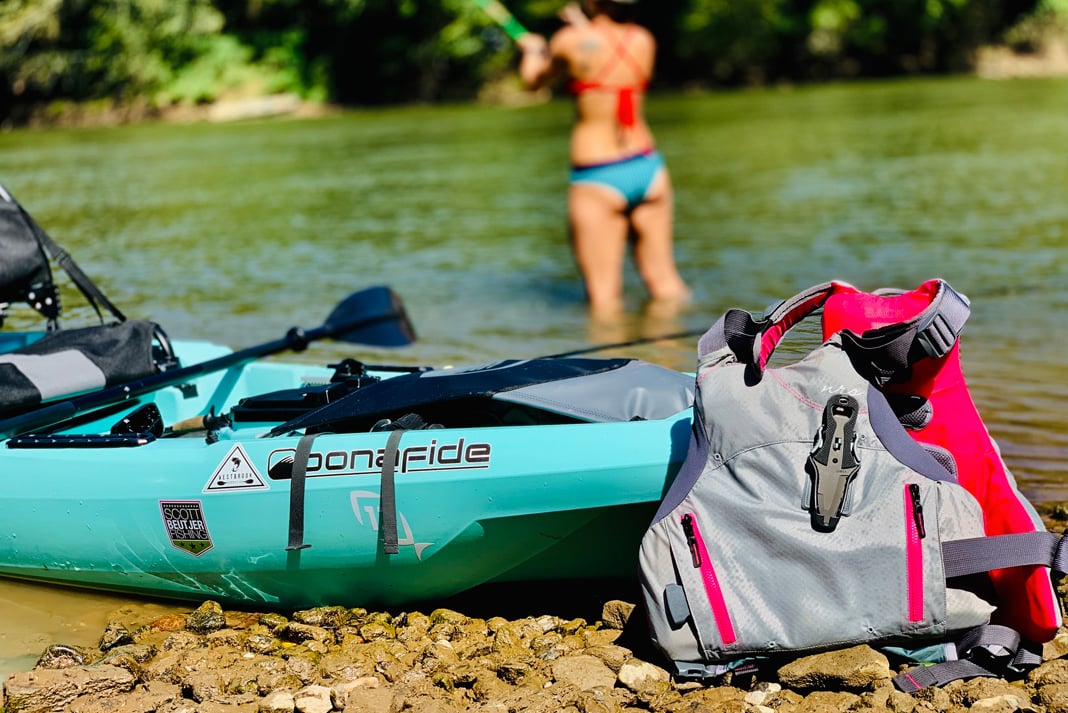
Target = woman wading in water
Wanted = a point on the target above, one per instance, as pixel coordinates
(619, 183)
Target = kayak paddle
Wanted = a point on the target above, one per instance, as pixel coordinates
(500, 14)
(371, 316)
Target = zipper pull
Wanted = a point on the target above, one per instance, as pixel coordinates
(691, 539)
(917, 510)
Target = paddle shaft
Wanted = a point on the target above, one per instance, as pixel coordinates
(501, 15)
(296, 339)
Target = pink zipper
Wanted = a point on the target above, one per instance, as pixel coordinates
(702, 561)
(914, 534)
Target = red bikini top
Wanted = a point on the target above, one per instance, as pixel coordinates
(625, 111)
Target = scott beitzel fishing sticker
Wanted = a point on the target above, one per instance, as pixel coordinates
(186, 526)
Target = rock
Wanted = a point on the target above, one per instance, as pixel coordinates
(637, 675)
(169, 622)
(299, 633)
(933, 698)
(583, 671)
(1050, 672)
(313, 699)
(339, 692)
(1001, 704)
(819, 701)
(277, 702)
(142, 699)
(613, 656)
(1057, 648)
(60, 656)
(616, 613)
(261, 640)
(319, 661)
(47, 689)
(369, 700)
(889, 699)
(1054, 697)
(324, 617)
(859, 668)
(968, 693)
(784, 699)
(273, 620)
(722, 699)
(115, 634)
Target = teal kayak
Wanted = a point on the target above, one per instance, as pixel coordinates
(299, 485)
(188, 470)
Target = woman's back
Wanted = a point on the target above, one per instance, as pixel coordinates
(609, 64)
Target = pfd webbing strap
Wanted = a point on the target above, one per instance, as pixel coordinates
(296, 493)
(1028, 657)
(998, 641)
(938, 674)
(998, 645)
(387, 505)
(983, 554)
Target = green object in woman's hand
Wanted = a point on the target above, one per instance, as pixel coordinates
(500, 14)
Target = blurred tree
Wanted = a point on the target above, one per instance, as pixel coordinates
(83, 49)
(384, 51)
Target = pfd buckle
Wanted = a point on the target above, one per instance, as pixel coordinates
(936, 337)
(937, 332)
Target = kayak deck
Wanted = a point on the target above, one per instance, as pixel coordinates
(210, 514)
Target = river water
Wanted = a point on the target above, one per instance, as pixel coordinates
(236, 232)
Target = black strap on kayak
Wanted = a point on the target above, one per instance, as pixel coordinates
(92, 293)
(387, 505)
(296, 493)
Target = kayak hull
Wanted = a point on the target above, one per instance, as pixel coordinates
(199, 518)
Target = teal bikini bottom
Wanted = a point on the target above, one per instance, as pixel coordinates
(630, 177)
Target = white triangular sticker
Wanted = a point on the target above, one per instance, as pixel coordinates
(236, 472)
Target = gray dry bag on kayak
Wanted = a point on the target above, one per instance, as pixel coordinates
(64, 362)
(806, 518)
(70, 362)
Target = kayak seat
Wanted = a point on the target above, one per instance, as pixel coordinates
(69, 362)
(509, 393)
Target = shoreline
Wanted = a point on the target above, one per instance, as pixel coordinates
(211, 660)
(991, 62)
(493, 650)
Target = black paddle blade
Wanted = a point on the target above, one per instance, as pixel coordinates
(371, 316)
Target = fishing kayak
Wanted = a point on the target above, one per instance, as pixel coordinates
(282, 484)
(189, 470)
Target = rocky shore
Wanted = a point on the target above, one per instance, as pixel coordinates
(490, 652)
(357, 661)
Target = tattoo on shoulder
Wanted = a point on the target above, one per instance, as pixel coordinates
(589, 44)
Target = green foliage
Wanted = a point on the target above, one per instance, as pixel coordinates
(377, 51)
(225, 66)
(90, 49)
(1048, 22)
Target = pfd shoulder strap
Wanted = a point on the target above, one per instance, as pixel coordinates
(80, 279)
(931, 333)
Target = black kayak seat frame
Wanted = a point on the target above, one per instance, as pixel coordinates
(504, 393)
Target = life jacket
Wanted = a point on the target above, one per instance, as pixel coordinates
(918, 361)
(796, 473)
